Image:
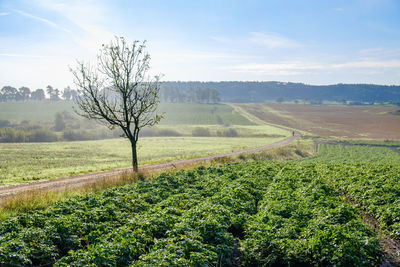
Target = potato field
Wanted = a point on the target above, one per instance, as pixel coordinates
(242, 214)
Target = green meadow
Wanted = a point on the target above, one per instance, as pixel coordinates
(27, 162)
(199, 128)
(174, 113)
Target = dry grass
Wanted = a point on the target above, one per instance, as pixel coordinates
(298, 150)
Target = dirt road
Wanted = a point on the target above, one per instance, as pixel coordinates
(79, 180)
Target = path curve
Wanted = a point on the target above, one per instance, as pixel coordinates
(71, 182)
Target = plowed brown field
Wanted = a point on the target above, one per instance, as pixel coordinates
(356, 122)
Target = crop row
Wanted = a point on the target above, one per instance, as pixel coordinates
(368, 175)
(249, 213)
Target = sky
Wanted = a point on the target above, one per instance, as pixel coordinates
(308, 41)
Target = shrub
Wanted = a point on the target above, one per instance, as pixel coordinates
(168, 132)
(228, 133)
(4, 123)
(75, 135)
(59, 123)
(201, 132)
(41, 135)
(150, 132)
(11, 135)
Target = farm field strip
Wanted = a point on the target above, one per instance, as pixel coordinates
(174, 113)
(259, 121)
(260, 130)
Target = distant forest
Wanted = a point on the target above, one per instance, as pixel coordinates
(189, 94)
(9, 93)
(214, 92)
(281, 91)
(167, 94)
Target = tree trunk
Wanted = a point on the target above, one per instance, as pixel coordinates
(134, 156)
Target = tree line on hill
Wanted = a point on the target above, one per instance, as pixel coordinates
(9, 94)
(234, 91)
(189, 94)
(231, 91)
(167, 94)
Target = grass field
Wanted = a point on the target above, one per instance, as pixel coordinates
(27, 162)
(180, 119)
(200, 114)
(355, 122)
(38, 112)
(175, 113)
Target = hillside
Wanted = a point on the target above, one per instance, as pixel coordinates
(270, 91)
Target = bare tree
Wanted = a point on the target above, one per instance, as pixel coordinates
(118, 92)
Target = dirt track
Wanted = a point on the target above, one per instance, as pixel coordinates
(79, 180)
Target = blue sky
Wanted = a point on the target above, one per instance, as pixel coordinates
(310, 41)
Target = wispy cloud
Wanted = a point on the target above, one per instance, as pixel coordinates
(286, 68)
(85, 16)
(379, 53)
(263, 39)
(48, 22)
(4, 14)
(339, 9)
(297, 68)
(220, 39)
(369, 64)
(189, 55)
(271, 40)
